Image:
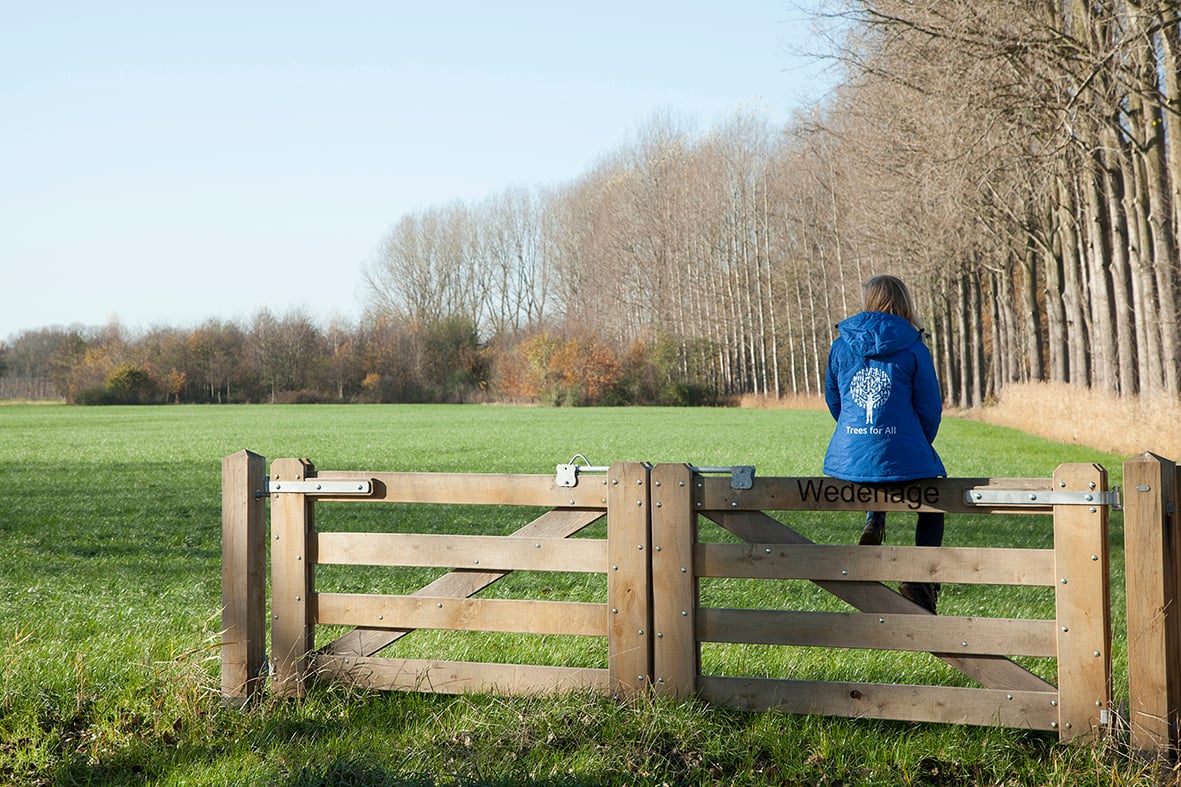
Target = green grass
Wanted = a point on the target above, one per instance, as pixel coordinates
(110, 602)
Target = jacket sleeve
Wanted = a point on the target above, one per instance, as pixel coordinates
(832, 389)
(928, 400)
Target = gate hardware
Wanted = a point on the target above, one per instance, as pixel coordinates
(567, 475)
(360, 486)
(741, 476)
(982, 496)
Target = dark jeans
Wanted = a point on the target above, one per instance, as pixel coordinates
(928, 531)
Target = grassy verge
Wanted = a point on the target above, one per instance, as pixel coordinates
(110, 592)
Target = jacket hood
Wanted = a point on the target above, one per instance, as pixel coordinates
(873, 334)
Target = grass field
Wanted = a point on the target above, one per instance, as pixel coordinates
(110, 602)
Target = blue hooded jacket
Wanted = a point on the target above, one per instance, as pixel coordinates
(884, 395)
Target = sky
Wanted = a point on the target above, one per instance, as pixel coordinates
(166, 163)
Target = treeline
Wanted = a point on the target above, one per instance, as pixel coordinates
(1019, 164)
(289, 359)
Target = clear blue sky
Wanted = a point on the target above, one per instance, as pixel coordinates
(163, 162)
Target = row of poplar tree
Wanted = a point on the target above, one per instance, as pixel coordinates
(1019, 164)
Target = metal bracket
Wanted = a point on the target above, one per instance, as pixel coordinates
(985, 496)
(567, 475)
(335, 487)
(741, 476)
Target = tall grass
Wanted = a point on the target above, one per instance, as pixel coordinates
(110, 594)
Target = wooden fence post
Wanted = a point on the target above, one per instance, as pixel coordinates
(1082, 582)
(243, 576)
(675, 653)
(1150, 540)
(629, 649)
(292, 567)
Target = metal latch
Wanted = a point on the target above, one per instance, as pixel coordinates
(985, 496)
(316, 486)
(567, 475)
(741, 476)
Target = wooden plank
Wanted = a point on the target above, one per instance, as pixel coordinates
(364, 641)
(1082, 598)
(995, 636)
(1149, 490)
(523, 616)
(629, 649)
(714, 493)
(243, 576)
(458, 677)
(994, 672)
(497, 553)
(676, 656)
(500, 489)
(291, 580)
(959, 565)
(1033, 710)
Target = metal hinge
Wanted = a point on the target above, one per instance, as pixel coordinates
(316, 486)
(986, 496)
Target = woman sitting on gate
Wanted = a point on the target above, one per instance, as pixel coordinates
(882, 390)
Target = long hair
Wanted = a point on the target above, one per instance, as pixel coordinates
(889, 294)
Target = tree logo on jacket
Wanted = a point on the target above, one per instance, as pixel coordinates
(870, 388)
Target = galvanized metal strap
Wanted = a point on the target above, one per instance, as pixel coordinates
(988, 496)
(316, 486)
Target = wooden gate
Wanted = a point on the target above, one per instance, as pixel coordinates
(651, 620)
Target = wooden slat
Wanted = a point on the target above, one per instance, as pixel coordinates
(992, 671)
(243, 576)
(676, 656)
(499, 489)
(1083, 604)
(1153, 701)
(828, 494)
(629, 581)
(291, 580)
(959, 565)
(499, 553)
(1033, 710)
(458, 677)
(523, 616)
(364, 641)
(995, 636)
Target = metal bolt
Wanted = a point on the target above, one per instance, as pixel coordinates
(614, 482)
(1062, 484)
(1065, 629)
(440, 605)
(964, 643)
(658, 483)
(639, 502)
(1092, 484)
(660, 635)
(640, 546)
(614, 611)
(1097, 654)
(640, 632)
(684, 570)
(1063, 580)
(1094, 557)
(684, 613)
(657, 549)
(979, 496)
(476, 562)
(1054, 725)
(844, 572)
(1008, 696)
(767, 550)
(881, 620)
(537, 546)
(1054, 702)
(659, 504)
(297, 598)
(1032, 496)
(381, 617)
(639, 482)
(734, 504)
(682, 483)
(614, 568)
